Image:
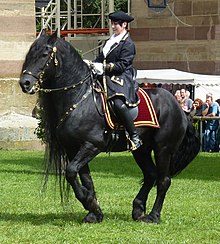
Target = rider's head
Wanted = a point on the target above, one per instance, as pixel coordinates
(119, 21)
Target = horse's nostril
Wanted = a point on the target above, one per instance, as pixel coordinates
(27, 83)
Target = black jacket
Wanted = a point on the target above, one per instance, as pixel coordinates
(121, 74)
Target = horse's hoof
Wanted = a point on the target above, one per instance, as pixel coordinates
(149, 219)
(93, 218)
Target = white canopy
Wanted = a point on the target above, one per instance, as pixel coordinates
(203, 83)
(173, 76)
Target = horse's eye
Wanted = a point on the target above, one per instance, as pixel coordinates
(45, 54)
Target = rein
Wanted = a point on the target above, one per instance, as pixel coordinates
(66, 87)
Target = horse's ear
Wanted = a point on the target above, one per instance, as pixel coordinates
(43, 32)
(53, 38)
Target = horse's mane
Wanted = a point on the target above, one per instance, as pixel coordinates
(72, 57)
(55, 155)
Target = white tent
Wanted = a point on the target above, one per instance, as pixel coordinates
(203, 83)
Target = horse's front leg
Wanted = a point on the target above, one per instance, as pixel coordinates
(84, 193)
(95, 213)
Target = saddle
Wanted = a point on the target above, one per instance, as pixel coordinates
(146, 116)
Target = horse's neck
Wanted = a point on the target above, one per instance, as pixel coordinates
(65, 101)
(69, 73)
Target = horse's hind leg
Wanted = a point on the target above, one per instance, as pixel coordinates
(163, 184)
(146, 164)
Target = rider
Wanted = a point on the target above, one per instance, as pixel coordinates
(115, 64)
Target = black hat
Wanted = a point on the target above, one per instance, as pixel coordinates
(120, 15)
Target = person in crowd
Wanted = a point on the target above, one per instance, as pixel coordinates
(177, 95)
(217, 148)
(210, 109)
(186, 102)
(196, 109)
(114, 65)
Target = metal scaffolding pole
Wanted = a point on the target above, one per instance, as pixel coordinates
(111, 9)
(58, 17)
(103, 13)
(69, 10)
(75, 14)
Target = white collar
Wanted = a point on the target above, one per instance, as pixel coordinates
(113, 40)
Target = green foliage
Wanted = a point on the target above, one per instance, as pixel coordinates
(190, 214)
(121, 5)
(94, 7)
(40, 129)
(89, 7)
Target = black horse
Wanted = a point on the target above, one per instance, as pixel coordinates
(76, 130)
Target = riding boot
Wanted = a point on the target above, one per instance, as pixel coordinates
(126, 119)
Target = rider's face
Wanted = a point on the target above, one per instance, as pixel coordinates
(117, 28)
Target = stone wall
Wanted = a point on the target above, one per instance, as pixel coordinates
(184, 36)
(17, 32)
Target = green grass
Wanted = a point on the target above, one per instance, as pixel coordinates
(191, 212)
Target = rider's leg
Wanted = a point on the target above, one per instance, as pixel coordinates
(123, 114)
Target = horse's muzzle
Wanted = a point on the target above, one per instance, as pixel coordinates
(27, 84)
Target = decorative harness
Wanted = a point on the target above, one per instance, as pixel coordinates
(39, 81)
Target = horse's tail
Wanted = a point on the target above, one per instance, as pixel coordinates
(56, 160)
(187, 150)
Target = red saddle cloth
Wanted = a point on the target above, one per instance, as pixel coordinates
(146, 113)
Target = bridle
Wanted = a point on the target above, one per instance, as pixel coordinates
(39, 80)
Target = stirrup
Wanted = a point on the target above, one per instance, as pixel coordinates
(135, 146)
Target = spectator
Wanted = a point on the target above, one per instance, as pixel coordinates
(196, 109)
(177, 95)
(210, 109)
(218, 132)
(186, 102)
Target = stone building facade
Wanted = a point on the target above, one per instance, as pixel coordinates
(17, 32)
(184, 36)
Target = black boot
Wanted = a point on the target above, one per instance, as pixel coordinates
(124, 115)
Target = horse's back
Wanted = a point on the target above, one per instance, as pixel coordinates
(165, 103)
(172, 120)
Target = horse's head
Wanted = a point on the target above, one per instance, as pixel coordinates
(40, 59)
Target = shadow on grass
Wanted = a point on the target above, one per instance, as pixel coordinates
(41, 219)
(204, 167)
(26, 159)
(58, 219)
(119, 165)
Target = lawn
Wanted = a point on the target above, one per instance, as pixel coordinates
(191, 212)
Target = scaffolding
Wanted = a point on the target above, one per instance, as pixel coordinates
(68, 17)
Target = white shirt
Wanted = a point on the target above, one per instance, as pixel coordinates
(113, 39)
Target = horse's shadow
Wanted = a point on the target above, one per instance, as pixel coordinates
(198, 170)
(125, 165)
(57, 219)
